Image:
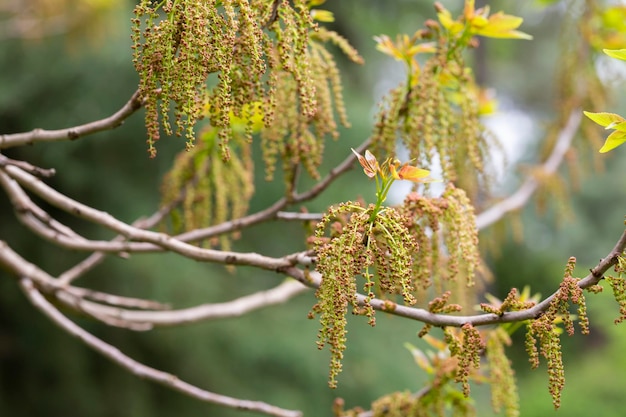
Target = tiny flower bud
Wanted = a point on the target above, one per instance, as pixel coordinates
(432, 24)
(424, 34)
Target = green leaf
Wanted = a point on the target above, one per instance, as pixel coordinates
(616, 53)
(605, 119)
(613, 141)
(618, 126)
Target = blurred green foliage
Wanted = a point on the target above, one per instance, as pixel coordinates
(63, 80)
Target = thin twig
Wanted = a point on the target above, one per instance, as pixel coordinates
(272, 211)
(34, 217)
(143, 371)
(519, 198)
(234, 308)
(161, 240)
(96, 258)
(299, 217)
(114, 314)
(114, 300)
(41, 135)
(30, 168)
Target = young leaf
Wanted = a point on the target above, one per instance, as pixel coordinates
(616, 53)
(410, 173)
(613, 141)
(369, 163)
(607, 120)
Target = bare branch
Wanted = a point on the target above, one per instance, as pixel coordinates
(272, 211)
(97, 257)
(300, 217)
(161, 240)
(143, 371)
(313, 279)
(32, 215)
(520, 197)
(40, 135)
(67, 238)
(77, 298)
(114, 300)
(119, 246)
(204, 312)
(25, 166)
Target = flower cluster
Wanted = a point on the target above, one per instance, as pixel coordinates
(245, 51)
(443, 222)
(203, 190)
(501, 374)
(618, 285)
(478, 22)
(175, 55)
(436, 113)
(381, 244)
(359, 244)
(373, 242)
(545, 331)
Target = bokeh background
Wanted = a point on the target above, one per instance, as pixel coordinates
(77, 67)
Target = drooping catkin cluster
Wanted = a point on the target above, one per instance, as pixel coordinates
(204, 190)
(177, 44)
(211, 59)
(618, 286)
(504, 393)
(437, 119)
(545, 333)
(471, 347)
(380, 250)
(544, 330)
(297, 123)
(342, 257)
(447, 221)
(397, 252)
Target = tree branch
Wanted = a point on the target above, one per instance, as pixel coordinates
(286, 264)
(143, 371)
(204, 312)
(115, 314)
(25, 166)
(33, 216)
(273, 211)
(520, 197)
(299, 217)
(120, 246)
(161, 240)
(97, 257)
(313, 279)
(40, 135)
